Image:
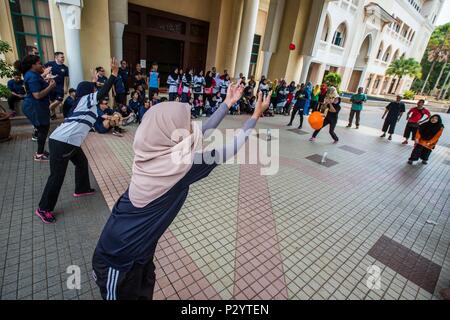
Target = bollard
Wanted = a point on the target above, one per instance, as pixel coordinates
(324, 157)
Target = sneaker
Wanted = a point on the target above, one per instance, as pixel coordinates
(357, 127)
(405, 142)
(312, 139)
(289, 125)
(34, 138)
(383, 135)
(46, 216)
(410, 162)
(41, 158)
(424, 162)
(349, 126)
(300, 127)
(390, 138)
(335, 141)
(84, 194)
(117, 134)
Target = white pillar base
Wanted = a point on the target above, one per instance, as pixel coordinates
(305, 69)
(266, 63)
(117, 39)
(71, 15)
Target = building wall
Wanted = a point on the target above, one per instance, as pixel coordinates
(94, 37)
(359, 27)
(7, 31)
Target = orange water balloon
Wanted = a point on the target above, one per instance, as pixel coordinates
(316, 120)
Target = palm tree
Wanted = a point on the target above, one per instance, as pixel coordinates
(404, 67)
(444, 88)
(433, 56)
(444, 55)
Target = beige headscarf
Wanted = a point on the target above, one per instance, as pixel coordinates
(162, 158)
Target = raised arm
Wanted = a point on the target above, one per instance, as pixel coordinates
(104, 91)
(239, 140)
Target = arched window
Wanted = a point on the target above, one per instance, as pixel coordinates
(340, 35)
(326, 29)
(387, 54)
(380, 51)
(396, 55)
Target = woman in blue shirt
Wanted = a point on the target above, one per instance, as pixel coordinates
(36, 103)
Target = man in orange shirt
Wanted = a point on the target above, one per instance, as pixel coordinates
(426, 139)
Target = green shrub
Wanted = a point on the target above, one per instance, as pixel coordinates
(409, 95)
(6, 71)
(333, 79)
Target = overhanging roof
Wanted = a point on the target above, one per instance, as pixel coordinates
(376, 10)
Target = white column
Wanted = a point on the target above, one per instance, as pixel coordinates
(273, 25)
(266, 63)
(117, 39)
(248, 27)
(71, 16)
(305, 69)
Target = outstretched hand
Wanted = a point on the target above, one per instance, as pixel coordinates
(262, 104)
(234, 93)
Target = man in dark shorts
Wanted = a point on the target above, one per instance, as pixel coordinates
(61, 73)
(393, 114)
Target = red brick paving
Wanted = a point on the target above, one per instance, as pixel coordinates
(259, 265)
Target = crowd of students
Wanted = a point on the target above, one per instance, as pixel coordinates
(46, 86)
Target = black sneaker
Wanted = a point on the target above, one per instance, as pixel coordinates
(424, 162)
(383, 135)
(390, 138)
(289, 125)
(410, 162)
(349, 126)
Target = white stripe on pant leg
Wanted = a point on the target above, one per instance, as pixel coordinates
(107, 284)
(111, 285)
(115, 285)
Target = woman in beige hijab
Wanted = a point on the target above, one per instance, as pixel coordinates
(168, 159)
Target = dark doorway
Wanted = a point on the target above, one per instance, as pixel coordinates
(168, 39)
(167, 53)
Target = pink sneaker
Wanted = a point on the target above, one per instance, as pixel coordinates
(84, 194)
(46, 216)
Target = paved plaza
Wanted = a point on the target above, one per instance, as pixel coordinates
(311, 231)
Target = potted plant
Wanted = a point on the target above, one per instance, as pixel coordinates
(6, 71)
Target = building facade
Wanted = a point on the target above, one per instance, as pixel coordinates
(354, 37)
(359, 39)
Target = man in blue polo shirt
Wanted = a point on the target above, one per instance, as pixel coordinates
(17, 89)
(61, 73)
